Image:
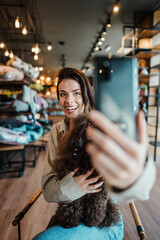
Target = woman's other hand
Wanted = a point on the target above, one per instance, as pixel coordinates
(88, 185)
(117, 157)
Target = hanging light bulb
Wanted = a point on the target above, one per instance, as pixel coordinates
(103, 39)
(2, 45)
(17, 23)
(35, 57)
(49, 47)
(32, 49)
(35, 49)
(24, 30)
(6, 53)
(97, 48)
(36, 68)
(11, 55)
(99, 43)
(42, 78)
(116, 7)
(48, 79)
(104, 32)
(40, 69)
(109, 22)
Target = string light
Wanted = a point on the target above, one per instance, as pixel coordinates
(17, 23)
(42, 78)
(35, 57)
(6, 53)
(24, 30)
(40, 69)
(11, 55)
(109, 22)
(48, 79)
(49, 47)
(104, 32)
(35, 49)
(99, 43)
(2, 45)
(103, 39)
(97, 48)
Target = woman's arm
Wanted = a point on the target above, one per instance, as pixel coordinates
(69, 188)
(54, 190)
(121, 160)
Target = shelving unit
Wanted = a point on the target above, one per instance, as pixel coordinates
(152, 99)
(8, 152)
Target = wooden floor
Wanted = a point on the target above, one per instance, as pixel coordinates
(15, 192)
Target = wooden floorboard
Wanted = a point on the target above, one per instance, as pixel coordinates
(15, 193)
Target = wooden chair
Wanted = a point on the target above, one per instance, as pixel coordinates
(21, 214)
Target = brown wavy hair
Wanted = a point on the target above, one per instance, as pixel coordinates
(86, 89)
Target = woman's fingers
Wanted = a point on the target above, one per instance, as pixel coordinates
(88, 185)
(75, 170)
(109, 146)
(114, 174)
(95, 186)
(93, 180)
(113, 131)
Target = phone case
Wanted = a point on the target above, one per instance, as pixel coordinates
(116, 91)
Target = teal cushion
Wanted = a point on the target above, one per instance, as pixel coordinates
(83, 232)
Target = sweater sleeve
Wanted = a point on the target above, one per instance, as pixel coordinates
(140, 190)
(65, 190)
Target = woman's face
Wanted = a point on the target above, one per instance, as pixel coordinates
(70, 98)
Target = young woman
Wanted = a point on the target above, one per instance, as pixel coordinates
(75, 97)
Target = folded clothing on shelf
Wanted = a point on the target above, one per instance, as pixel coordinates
(15, 106)
(26, 68)
(9, 136)
(8, 73)
(33, 130)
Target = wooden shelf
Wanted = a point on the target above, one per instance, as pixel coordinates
(22, 82)
(148, 75)
(146, 33)
(145, 53)
(15, 113)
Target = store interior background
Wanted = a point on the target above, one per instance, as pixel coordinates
(72, 29)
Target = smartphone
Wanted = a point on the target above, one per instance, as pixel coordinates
(116, 91)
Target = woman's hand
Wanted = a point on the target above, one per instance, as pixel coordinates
(85, 184)
(118, 158)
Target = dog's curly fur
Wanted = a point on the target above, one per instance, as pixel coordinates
(96, 209)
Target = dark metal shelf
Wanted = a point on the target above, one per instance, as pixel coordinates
(155, 144)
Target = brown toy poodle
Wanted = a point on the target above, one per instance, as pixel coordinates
(94, 209)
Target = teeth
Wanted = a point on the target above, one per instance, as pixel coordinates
(70, 108)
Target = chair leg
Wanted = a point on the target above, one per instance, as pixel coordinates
(19, 231)
(137, 220)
